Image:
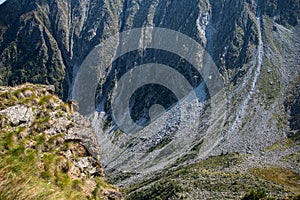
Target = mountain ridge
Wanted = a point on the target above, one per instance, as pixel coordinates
(255, 46)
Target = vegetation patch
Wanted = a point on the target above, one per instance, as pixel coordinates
(214, 178)
(36, 162)
(285, 177)
(269, 84)
(165, 189)
(160, 144)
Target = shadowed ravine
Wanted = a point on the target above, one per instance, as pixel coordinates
(188, 99)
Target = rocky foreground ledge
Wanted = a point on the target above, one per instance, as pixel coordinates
(47, 149)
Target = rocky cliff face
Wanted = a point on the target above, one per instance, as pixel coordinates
(254, 44)
(47, 150)
(46, 41)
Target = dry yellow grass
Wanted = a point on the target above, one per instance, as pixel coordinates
(285, 177)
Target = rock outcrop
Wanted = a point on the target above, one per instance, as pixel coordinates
(64, 149)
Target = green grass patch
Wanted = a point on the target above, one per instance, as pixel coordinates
(269, 83)
(160, 145)
(45, 99)
(165, 189)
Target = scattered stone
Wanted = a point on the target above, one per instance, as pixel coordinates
(50, 89)
(19, 114)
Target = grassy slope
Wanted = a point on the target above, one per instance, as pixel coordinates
(217, 178)
(32, 163)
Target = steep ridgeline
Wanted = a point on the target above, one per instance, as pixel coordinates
(254, 44)
(45, 41)
(47, 149)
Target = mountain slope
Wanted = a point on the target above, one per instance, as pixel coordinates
(255, 46)
(47, 150)
(220, 177)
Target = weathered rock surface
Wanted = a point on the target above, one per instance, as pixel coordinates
(18, 115)
(43, 124)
